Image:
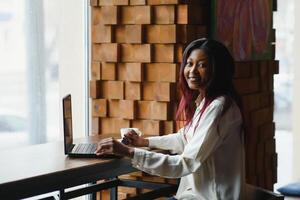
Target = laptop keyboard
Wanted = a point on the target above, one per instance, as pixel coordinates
(85, 148)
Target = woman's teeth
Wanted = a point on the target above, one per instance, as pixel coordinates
(194, 79)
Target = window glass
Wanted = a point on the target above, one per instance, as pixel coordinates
(283, 89)
(30, 48)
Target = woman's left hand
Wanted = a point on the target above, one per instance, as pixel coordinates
(112, 146)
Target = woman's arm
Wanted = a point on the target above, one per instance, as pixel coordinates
(174, 142)
(204, 142)
(169, 166)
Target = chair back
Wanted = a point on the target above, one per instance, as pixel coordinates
(257, 193)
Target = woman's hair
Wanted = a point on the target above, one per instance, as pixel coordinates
(221, 68)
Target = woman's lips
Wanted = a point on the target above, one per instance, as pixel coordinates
(194, 79)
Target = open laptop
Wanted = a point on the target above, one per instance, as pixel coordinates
(71, 149)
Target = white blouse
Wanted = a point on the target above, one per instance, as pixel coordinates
(209, 160)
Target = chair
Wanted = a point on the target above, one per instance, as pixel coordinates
(256, 193)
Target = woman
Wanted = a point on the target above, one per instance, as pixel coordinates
(210, 154)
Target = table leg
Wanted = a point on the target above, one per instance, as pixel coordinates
(114, 193)
(61, 194)
(93, 196)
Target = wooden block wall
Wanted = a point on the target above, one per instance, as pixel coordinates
(254, 81)
(137, 48)
(136, 52)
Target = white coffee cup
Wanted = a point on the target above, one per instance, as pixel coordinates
(126, 130)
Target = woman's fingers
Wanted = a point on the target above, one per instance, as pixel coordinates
(132, 139)
(105, 149)
(127, 140)
(129, 134)
(103, 141)
(105, 146)
(132, 135)
(112, 146)
(109, 146)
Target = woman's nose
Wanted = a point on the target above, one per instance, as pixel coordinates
(193, 68)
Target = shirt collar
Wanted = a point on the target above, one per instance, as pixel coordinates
(199, 100)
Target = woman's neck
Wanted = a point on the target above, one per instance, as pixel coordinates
(201, 93)
(200, 97)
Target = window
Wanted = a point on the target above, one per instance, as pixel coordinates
(42, 58)
(283, 89)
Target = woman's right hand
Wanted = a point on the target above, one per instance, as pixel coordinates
(135, 140)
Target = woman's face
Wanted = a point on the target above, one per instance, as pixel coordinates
(196, 70)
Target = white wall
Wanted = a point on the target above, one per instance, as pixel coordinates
(296, 102)
(72, 61)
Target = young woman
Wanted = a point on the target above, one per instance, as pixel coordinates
(210, 148)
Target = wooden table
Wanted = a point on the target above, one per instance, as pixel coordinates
(39, 169)
(44, 168)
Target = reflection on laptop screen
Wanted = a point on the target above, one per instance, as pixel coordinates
(67, 118)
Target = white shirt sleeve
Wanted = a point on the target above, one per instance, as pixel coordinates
(205, 140)
(174, 142)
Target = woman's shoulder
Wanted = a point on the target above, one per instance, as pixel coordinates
(216, 105)
(222, 100)
(219, 101)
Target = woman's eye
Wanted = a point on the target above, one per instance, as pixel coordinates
(189, 64)
(201, 65)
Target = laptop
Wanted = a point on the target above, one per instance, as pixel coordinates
(74, 150)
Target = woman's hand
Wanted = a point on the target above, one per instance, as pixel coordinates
(112, 146)
(135, 140)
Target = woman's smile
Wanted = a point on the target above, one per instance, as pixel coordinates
(194, 79)
(195, 71)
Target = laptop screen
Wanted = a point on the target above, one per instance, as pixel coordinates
(67, 118)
